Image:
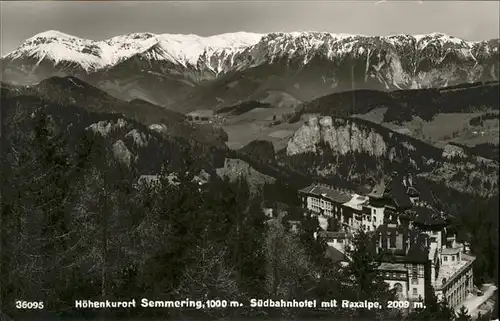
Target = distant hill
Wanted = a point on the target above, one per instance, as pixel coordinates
(466, 114)
(73, 91)
(260, 150)
(141, 149)
(242, 108)
(403, 105)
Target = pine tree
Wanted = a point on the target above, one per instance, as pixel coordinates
(38, 171)
(251, 258)
(446, 312)
(440, 311)
(315, 247)
(362, 278)
(289, 271)
(363, 269)
(463, 315)
(434, 311)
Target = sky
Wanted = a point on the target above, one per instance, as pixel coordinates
(471, 20)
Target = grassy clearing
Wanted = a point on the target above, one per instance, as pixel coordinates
(258, 124)
(443, 129)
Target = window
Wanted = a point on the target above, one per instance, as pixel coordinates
(453, 257)
(421, 270)
(392, 241)
(417, 271)
(445, 258)
(415, 292)
(414, 280)
(374, 219)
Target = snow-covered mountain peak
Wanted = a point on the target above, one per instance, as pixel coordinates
(51, 34)
(189, 48)
(94, 55)
(178, 48)
(442, 38)
(168, 69)
(231, 40)
(207, 57)
(59, 47)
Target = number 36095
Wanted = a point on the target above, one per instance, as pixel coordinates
(29, 305)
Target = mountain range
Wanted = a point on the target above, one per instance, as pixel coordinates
(187, 72)
(154, 79)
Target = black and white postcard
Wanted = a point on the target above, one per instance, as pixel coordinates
(249, 160)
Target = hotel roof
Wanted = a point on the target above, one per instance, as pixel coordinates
(378, 190)
(356, 202)
(397, 192)
(392, 189)
(448, 272)
(328, 193)
(426, 215)
(450, 251)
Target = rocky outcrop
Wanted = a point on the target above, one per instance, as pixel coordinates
(343, 136)
(159, 128)
(150, 180)
(452, 151)
(236, 168)
(155, 180)
(202, 178)
(105, 127)
(121, 153)
(140, 139)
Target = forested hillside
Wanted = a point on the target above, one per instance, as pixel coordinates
(403, 105)
(76, 224)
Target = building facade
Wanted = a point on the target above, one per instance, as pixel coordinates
(421, 254)
(454, 274)
(349, 209)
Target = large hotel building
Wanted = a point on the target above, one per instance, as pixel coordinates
(423, 254)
